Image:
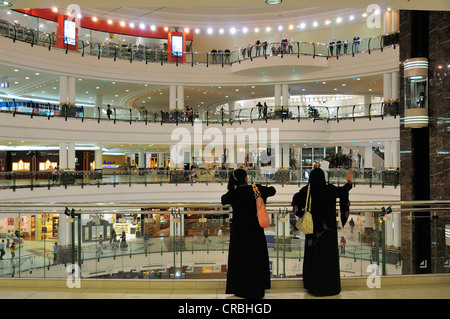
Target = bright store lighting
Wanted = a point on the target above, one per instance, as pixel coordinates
(351, 18)
(95, 19)
(339, 20)
(153, 28)
(280, 27)
(132, 25)
(315, 24)
(256, 30)
(186, 30)
(221, 31)
(122, 23)
(142, 26)
(233, 30)
(268, 29)
(245, 30)
(302, 25)
(291, 27)
(210, 30)
(197, 31)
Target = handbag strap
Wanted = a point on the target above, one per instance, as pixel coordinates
(308, 201)
(256, 191)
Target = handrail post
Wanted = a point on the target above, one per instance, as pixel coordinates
(115, 115)
(353, 113)
(337, 114)
(98, 108)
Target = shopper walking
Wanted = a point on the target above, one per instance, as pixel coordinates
(321, 274)
(2, 249)
(55, 252)
(248, 260)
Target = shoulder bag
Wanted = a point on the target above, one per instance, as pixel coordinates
(305, 223)
(261, 210)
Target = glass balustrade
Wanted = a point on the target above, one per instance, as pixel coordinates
(152, 53)
(16, 180)
(220, 116)
(159, 242)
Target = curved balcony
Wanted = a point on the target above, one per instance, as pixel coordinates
(145, 54)
(282, 113)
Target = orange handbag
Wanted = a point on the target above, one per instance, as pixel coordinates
(261, 210)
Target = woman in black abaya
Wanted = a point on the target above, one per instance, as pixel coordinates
(321, 274)
(248, 260)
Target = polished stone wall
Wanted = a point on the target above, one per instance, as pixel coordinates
(438, 136)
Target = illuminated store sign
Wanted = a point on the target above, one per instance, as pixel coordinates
(110, 164)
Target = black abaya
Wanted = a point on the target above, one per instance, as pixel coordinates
(321, 273)
(248, 260)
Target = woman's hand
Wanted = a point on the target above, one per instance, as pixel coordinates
(349, 176)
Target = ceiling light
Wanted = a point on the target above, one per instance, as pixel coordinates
(55, 9)
(186, 30)
(351, 18)
(142, 26)
(268, 29)
(256, 30)
(110, 21)
(291, 27)
(315, 24)
(280, 27)
(122, 23)
(274, 1)
(302, 25)
(131, 25)
(210, 30)
(95, 19)
(364, 15)
(221, 31)
(327, 22)
(245, 30)
(233, 30)
(339, 20)
(153, 28)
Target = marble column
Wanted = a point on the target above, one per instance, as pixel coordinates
(387, 87)
(98, 159)
(71, 87)
(180, 98)
(62, 156)
(368, 155)
(387, 154)
(63, 89)
(173, 97)
(71, 156)
(285, 95)
(277, 95)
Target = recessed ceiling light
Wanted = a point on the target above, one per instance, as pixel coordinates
(256, 29)
(315, 24)
(95, 19)
(110, 21)
(274, 1)
(221, 31)
(152, 27)
(245, 30)
(339, 20)
(291, 27)
(197, 31)
(131, 25)
(233, 30)
(302, 25)
(351, 18)
(142, 26)
(209, 30)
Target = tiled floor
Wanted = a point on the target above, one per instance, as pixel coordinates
(388, 291)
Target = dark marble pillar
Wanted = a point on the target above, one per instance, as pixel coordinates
(426, 176)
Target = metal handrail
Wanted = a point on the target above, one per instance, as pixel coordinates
(214, 205)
